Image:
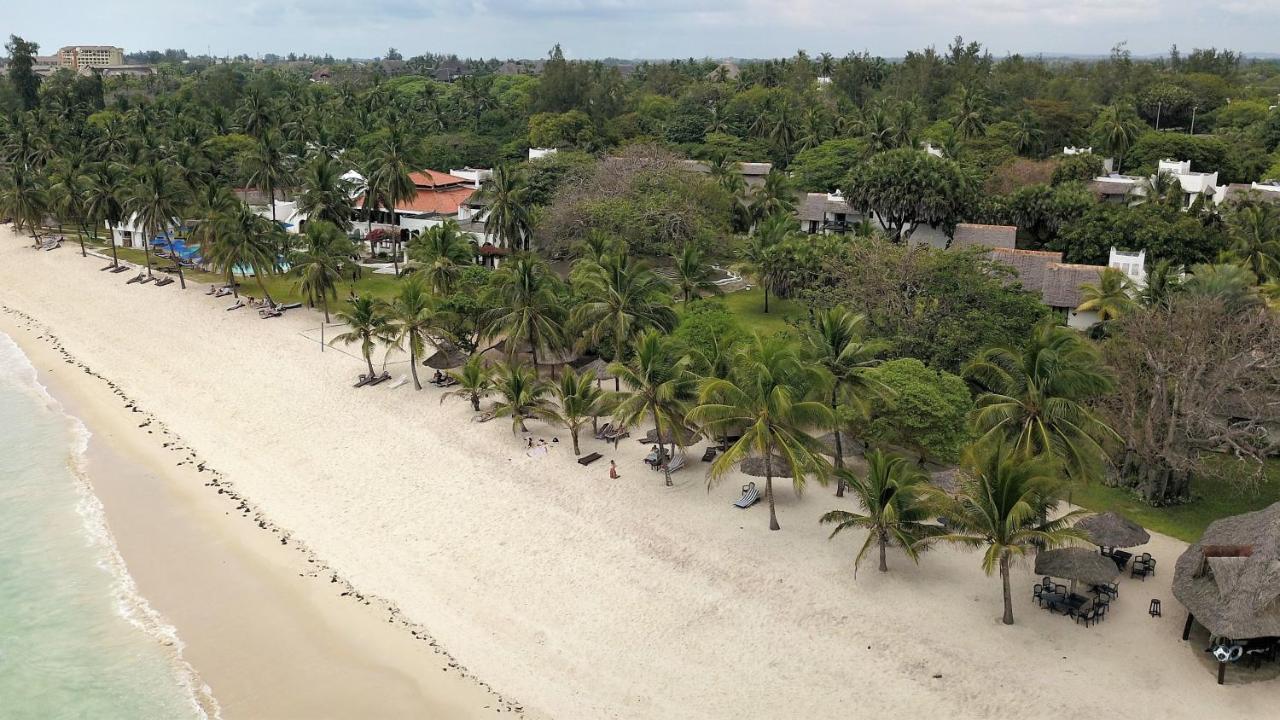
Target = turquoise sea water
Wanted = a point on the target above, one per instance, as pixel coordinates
(76, 641)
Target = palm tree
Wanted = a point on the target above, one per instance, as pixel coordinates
(475, 381)
(411, 316)
(24, 199)
(443, 251)
(896, 503)
(1027, 134)
(1159, 189)
(1117, 130)
(66, 193)
(621, 298)
(1234, 285)
(773, 198)
(658, 385)
(692, 273)
(257, 116)
(102, 199)
(1255, 235)
(1000, 506)
(1162, 282)
(523, 395)
(325, 195)
(579, 399)
(764, 398)
(212, 201)
(267, 167)
(526, 305)
(242, 241)
(508, 211)
(971, 112)
(156, 199)
(1110, 298)
(367, 319)
(393, 185)
(318, 264)
(835, 342)
(1035, 398)
(757, 257)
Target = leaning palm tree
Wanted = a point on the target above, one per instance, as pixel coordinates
(766, 399)
(318, 264)
(410, 318)
(66, 193)
(22, 197)
(242, 243)
(443, 251)
(522, 395)
(475, 381)
(156, 198)
(325, 195)
(367, 319)
(999, 506)
(692, 273)
(622, 298)
(895, 504)
(527, 307)
(578, 400)
(507, 218)
(1111, 298)
(656, 384)
(103, 185)
(836, 343)
(1036, 398)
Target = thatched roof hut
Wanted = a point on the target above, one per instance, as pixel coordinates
(1112, 529)
(1230, 580)
(754, 466)
(598, 368)
(1076, 563)
(446, 358)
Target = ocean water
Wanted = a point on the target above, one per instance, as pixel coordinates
(76, 640)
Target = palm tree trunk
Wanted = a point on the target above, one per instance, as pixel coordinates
(573, 432)
(768, 487)
(177, 261)
(475, 402)
(1008, 596)
(115, 260)
(324, 303)
(884, 543)
(146, 250)
(369, 361)
(413, 365)
(839, 449)
(258, 276)
(766, 296)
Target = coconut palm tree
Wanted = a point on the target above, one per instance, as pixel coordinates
(757, 257)
(317, 264)
(579, 400)
(1234, 285)
(1027, 135)
(325, 196)
(1036, 397)
(411, 317)
(102, 203)
(692, 273)
(390, 184)
(1162, 282)
(475, 381)
(1159, 189)
(212, 201)
(267, 167)
(527, 307)
(1000, 506)
(23, 198)
(836, 343)
(242, 241)
(1117, 129)
(621, 298)
(1111, 298)
(66, 193)
(766, 399)
(523, 395)
(443, 251)
(773, 198)
(507, 218)
(971, 112)
(367, 319)
(1255, 238)
(894, 497)
(155, 197)
(657, 384)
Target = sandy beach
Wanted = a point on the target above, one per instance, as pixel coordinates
(570, 595)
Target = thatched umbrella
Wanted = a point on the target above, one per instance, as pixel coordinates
(1077, 564)
(849, 445)
(1230, 580)
(1112, 529)
(754, 466)
(599, 368)
(446, 358)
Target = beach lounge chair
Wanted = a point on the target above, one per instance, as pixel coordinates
(222, 292)
(104, 269)
(588, 459)
(120, 268)
(677, 462)
(362, 380)
(483, 417)
(403, 379)
(135, 279)
(164, 281)
(603, 431)
(212, 289)
(239, 304)
(385, 376)
(290, 306)
(750, 496)
(709, 454)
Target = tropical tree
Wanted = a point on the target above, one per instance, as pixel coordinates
(390, 184)
(242, 242)
(758, 257)
(765, 399)
(1255, 238)
(1000, 505)
(411, 316)
(527, 307)
(774, 197)
(102, 203)
(325, 196)
(156, 198)
(896, 507)
(24, 199)
(475, 381)
(1035, 398)
(579, 399)
(621, 298)
(971, 111)
(657, 384)
(522, 395)
(367, 320)
(317, 264)
(267, 167)
(507, 218)
(692, 273)
(443, 251)
(1116, 130)
(836, 343)
(66, 193)
(1163, 281)
(1110, 298)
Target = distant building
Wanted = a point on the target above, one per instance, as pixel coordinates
(109, 71)
(725, 71)
(1117, 188)
(78, 57)
(829, 213)
(449, 70)
(752, 172)
(1132, 264)
(992, 236)
(535, 153)
(1060, 285)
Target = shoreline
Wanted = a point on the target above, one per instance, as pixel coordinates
(129, 470)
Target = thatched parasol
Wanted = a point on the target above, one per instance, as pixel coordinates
(849, 445)
(1077, 564)
(1113, 530)
(754, 466)
(1230, 580)
(446, 358)
(599, 368)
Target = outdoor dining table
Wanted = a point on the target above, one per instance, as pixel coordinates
(1068, 605)
(1121, 557)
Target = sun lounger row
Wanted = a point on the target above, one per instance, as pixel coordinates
(370, 380)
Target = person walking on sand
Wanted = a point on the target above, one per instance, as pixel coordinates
(613, 470)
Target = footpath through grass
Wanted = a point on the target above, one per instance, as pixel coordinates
(748, 306)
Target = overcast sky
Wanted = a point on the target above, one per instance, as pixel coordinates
(643, 28)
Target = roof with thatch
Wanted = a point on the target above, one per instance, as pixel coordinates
(992, 236)
(1074, 563)
(754, 466)
(816, 206)
(446, 358)
(1113, 530)
(1064, 283)
(597, 367)
(1030, 265)
(1230, 580)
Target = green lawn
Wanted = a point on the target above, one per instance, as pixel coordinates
(1185, 522)
(748, 305)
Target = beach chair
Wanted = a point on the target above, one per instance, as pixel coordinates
(385, 376)
(120, 268)
(290, 306)
(105, 268)
(483, 417)
(212, 289)
(750, 496)
(709, 454)
(164, 281)
(362, 380)
(588, 459)
(403, 379)
(604, 430)
(239, 304)
(135, 279)
(676, 462)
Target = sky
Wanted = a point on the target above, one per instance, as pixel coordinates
(644, 28)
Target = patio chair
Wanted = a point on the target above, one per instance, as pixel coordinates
(1037, 594)
(164, 281)
(1140, 570)
(750, 495)
(1088, 616)
(677, 462)
(604, 430)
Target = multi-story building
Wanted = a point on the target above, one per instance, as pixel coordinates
(78, 57)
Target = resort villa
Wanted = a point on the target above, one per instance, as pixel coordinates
(829, 213)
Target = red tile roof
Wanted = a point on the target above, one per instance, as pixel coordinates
(439, 193)
(435, 178)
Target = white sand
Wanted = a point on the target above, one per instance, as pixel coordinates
(583, 597)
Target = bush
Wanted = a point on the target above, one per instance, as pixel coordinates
(927, 411)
